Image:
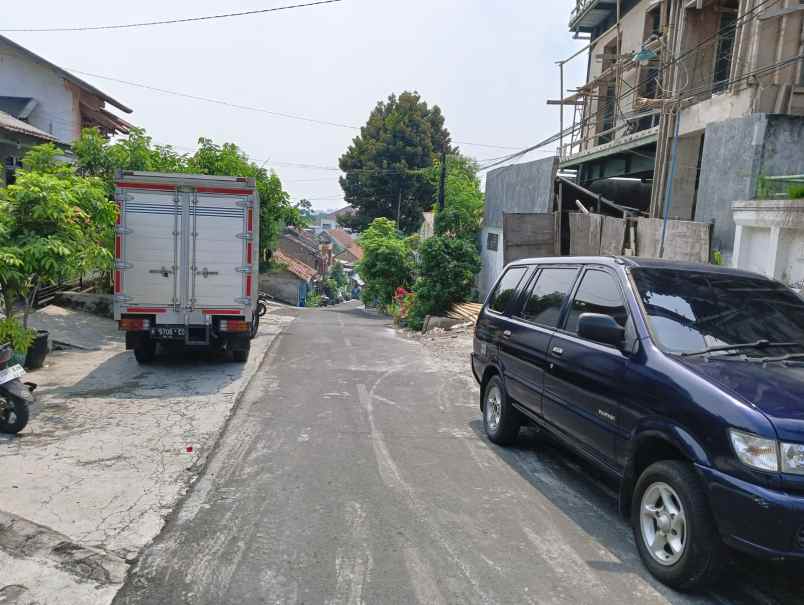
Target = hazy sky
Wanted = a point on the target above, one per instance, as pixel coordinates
(489, 64)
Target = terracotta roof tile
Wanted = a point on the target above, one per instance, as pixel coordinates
(298, 268)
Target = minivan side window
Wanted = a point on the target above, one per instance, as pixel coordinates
(543, 305)
(506, 289)
(598, 293)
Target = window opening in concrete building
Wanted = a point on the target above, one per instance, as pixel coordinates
(724, 55)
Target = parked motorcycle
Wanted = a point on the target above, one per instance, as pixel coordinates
(15, 397)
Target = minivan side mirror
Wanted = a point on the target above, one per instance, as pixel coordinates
(601, 328)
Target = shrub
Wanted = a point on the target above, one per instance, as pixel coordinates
(796, 191)
(387, 264)
(12, 331)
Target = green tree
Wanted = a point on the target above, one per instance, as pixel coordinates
(98, 157)
(55, 224)
(449, 262)
(462, 188)
(387, 264)
(387, 167)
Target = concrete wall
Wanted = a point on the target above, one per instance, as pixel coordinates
(58, 112)
(492, 262)
(521, 188)
(526, 187)
(283, 286)
(736, 154)
(683, 201)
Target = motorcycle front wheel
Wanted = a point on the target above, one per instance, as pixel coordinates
(13, 414)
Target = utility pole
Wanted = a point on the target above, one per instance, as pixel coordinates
(442, 181)
(399, 211)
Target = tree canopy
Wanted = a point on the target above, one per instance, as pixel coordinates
(98, 157)
(388, 166)
(388, 262)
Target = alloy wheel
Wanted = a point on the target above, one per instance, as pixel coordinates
(493, 408)
(663, 524)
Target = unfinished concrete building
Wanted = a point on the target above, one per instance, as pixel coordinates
(687, 104)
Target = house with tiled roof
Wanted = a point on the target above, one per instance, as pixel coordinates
(290, 280)
(347, 250)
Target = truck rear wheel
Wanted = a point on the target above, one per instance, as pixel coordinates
(145, 351)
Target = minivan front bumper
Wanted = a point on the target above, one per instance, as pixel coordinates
(755, 519)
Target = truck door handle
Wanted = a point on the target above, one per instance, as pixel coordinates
(507, 334)
(558, 351)
(206, 272)
(164, 271)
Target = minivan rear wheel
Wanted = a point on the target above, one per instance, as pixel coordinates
(674, 531)
(500, 419)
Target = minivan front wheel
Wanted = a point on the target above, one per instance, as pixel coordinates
(675, 534)
(500, 419)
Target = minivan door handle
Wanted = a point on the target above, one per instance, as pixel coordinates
(558, 351)
(507, 334)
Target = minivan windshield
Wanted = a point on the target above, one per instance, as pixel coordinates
(696, 311)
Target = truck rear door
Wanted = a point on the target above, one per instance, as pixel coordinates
(222, 248)
(149, 231)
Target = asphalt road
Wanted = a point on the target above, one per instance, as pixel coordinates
(355, 471)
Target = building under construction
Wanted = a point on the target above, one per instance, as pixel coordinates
(687, 104)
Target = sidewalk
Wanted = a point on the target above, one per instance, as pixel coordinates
(112, 446)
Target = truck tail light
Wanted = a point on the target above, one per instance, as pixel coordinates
(134, 325)
(234, 325)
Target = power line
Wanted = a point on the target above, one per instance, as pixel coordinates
(83, 28)
(232, 105)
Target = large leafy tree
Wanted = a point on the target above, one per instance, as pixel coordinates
(387, 167)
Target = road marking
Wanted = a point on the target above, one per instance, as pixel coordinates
(390, 475)
(353, 561)
(424, 584)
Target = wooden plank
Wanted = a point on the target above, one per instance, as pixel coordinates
(612, 236)
(585, 231)
(528, 235)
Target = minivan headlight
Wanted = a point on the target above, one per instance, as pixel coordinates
(757, 452)
(793, 458)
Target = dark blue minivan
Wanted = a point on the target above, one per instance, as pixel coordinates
(684, 382)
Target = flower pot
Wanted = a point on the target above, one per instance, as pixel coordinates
(36, 355)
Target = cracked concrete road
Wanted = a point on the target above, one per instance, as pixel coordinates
(355, 471)
(112, 449)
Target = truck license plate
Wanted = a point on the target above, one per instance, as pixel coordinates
(11, 373)
(168, 333)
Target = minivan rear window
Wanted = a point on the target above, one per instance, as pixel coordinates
(506, 289)
(690, 311)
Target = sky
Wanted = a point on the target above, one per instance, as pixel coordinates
(489, 65)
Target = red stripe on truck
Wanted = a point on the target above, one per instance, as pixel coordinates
(248, 286)
(146, 310)
(154, 186)
(250, 220)
(117, 284)
(223, 312)
(118, 247)
(225, 191)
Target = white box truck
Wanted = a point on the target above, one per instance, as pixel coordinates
(186, 262)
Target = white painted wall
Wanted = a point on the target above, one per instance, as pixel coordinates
(58, 112)
(492, 261)
(769, 239)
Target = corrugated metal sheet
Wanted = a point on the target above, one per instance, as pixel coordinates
(12, 124)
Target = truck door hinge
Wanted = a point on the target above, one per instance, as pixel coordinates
(122, 266)
(245, 269)
(121, 230)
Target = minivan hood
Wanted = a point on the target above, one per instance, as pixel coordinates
(776, 389)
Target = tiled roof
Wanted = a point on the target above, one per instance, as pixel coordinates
(298, 268)
(346, 241)
(12, 124)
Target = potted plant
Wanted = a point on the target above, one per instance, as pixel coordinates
(54, 224)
